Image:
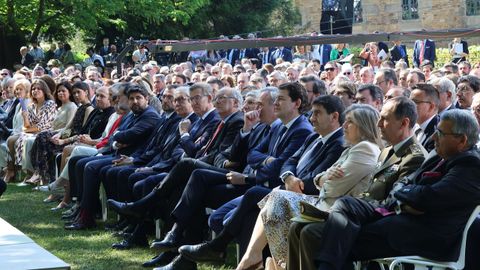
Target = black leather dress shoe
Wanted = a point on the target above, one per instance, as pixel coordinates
(179, 263)
(170, 242)
(117, 226)
(131, 242)
(79, 226)
(123, 208)
(202, 253)
(161, 259)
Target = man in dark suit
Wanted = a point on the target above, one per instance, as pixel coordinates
(424, 217)
(264, 55)
(398, 51)
(228, 101)
(424, 50)
(426, 97)
(233, 55)
(316, 155)
(210, 188)
(283, 53)
(115, 178)
(133, 136)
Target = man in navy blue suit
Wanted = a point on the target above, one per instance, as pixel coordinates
(208, 187)
(228, 102)
(424, 50)
(283, 53)
(267, 159)
(319, 151)
(132, 135)
(116, 178)
(398, 51)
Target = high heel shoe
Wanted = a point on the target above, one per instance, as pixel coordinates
(60, 206)
(9, 173)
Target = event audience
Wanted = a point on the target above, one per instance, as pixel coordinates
(381, 149)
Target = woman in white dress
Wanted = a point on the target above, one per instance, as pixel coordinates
(348, 176)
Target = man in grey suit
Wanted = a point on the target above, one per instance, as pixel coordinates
(404, 155)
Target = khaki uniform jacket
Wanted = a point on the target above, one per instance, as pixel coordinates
(403, 162)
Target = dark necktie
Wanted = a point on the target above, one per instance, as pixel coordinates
(279, 138)
(210, 142)
(389, 155)
(308, 155)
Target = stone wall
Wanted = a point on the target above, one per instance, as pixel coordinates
(311, 12)
(386, 16)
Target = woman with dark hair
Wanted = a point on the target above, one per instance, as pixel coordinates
(38, 116)
(48, 143)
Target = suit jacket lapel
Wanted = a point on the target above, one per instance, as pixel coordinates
(396, 157)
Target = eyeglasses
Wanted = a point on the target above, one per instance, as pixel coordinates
(420, 101)
(347, 73)
(222, 98)
(442, 134)
(180, 99)
(236, 72)
(197, 98)
(329, 69)
(4, 74)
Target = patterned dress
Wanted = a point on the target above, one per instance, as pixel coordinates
(42, 119)
(277, 208)
(44, 151)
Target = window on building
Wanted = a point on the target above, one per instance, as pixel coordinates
(357, 11)
(473, 7)
(409, 9)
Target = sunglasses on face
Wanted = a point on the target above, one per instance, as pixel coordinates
(329, 69)
(347, 73)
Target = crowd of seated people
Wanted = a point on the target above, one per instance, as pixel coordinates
(386, 152)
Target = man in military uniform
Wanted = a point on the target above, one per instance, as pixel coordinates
(404, 155)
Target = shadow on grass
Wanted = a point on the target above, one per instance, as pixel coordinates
(89, 249)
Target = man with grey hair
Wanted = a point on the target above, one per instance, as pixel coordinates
(159, 84)
(425, 217)
(228, 103)
(447, 93)
(210, 188)
(397, 91)
(366, 75)
(276, 78)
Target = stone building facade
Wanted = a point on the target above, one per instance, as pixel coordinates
(400, 15)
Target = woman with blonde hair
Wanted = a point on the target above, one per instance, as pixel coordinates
(37, 116)
(349, 175)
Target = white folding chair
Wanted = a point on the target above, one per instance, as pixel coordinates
(103, 202)
(421, 261)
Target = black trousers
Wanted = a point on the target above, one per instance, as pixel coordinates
(343, 237)
(205, 188)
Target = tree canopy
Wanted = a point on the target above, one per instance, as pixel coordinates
(51, 20)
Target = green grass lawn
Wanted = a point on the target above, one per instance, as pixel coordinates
(24, 209)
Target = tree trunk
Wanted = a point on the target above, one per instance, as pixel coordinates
(39, 21)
